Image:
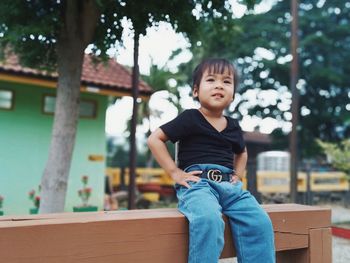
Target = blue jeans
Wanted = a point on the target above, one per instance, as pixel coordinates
(203, 205)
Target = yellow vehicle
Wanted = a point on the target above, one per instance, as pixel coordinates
(154, 183)
(273, 178)
(279, 182)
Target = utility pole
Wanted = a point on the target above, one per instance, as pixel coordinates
(293, 143)
(133, 150)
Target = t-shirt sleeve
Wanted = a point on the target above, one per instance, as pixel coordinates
(240, 145)
(178, 127)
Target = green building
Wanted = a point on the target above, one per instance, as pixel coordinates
(27, 99)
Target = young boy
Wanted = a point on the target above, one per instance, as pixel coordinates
(211, 161)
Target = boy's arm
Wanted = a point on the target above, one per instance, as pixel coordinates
(240, 163)
(156, 143)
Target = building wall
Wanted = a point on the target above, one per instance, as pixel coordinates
(25, 134)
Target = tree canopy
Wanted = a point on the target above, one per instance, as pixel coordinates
(338, 154)
(53, 34)
(32, 28)
(259, 45)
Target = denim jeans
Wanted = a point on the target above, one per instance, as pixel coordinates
(203, 205)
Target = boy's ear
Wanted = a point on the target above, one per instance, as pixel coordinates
(195, 92)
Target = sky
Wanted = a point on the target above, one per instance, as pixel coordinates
(156, 47)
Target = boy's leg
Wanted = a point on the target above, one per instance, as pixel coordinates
(251, 226)
(201, 207)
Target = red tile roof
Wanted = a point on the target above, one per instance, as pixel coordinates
(109, 75)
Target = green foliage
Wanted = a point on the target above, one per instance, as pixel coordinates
(32, 28)
(53, 34)
(324, 50)
(339, 154)
(85, 192)
(35, 197)
(118, 156)
(158, 79)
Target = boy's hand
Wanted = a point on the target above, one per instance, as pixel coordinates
(235, 179)
(181, 177)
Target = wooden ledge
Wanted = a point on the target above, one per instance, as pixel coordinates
(150, 236)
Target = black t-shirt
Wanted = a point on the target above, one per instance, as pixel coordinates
(200, 142)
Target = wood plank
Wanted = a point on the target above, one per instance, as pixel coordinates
(158, 235)
(293, 256)
(229, 248)
(320, 245)
(124, 241)
(288, 241)
(298, 219)
(283, 242)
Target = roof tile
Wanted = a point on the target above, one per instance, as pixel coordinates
(109, 74)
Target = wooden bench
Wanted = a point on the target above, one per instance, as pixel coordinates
(302, 234)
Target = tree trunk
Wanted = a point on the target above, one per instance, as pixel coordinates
(80, 20)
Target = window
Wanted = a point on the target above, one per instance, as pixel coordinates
(6, 99)
(87, 109)
(49, 104)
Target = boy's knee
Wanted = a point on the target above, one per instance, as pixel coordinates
(260, 222)
(264, 223)
(266, 220)
(211, 219)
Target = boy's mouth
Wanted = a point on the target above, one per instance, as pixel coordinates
(217, 95)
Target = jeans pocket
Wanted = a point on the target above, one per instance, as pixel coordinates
(238, 183)
(182, 190)
(177, 186)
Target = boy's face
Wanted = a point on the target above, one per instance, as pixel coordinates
(215, 90)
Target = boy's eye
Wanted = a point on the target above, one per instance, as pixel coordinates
(228, 81)
(210, 79)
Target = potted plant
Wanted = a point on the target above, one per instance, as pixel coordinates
(36, 201)
(1, 202)
(84, 194)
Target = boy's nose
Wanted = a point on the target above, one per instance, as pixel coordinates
(219, 85)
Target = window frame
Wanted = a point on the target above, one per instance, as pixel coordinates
(12, 99)
(92, 101)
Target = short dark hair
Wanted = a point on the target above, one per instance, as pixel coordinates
(216, 66)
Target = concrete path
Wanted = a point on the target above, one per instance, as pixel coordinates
(339, 213)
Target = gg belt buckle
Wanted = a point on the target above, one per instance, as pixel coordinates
(214, 175)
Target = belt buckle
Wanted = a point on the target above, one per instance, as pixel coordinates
(214, 175)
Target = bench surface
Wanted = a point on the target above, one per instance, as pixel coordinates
(155, 235)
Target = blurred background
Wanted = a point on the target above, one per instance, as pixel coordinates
(82, 85)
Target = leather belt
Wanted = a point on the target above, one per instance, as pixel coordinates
(216, 175)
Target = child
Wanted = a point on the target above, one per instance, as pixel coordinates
(211, 160)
